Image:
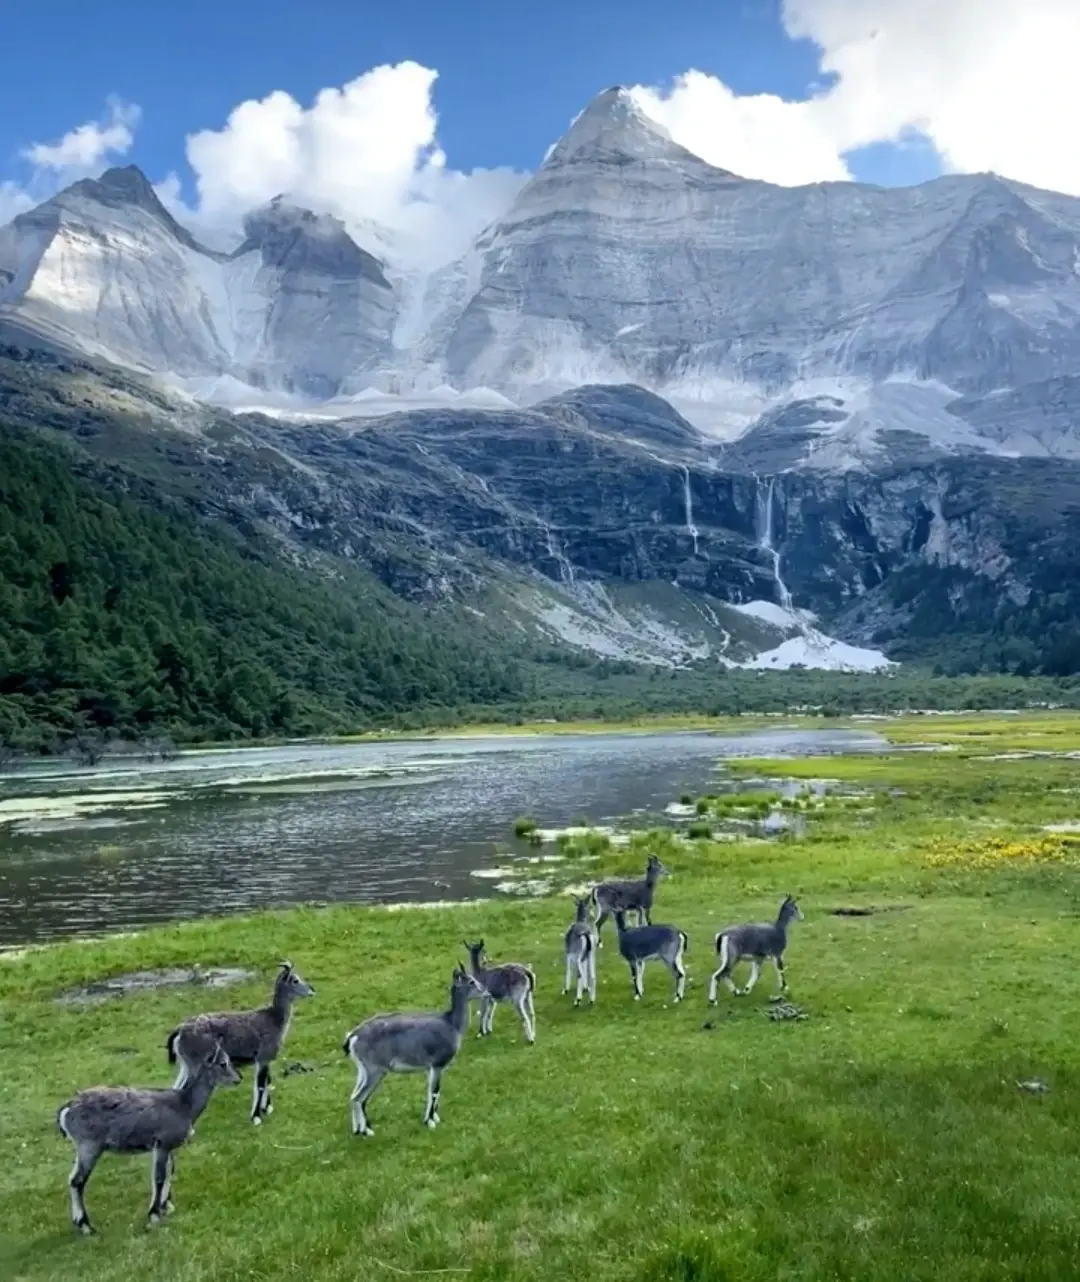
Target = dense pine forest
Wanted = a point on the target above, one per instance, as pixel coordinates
(123, 618)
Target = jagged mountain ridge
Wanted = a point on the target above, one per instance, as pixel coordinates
(624, 259)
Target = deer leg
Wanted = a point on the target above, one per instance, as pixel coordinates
(528, 1016)
(258, 1093)
(582, 978)
(366, 1082)
(755, 970)
(778, 965)
(166, 1194)
(487, 1016)
(601, 918)
(431, 1109)
(636, 976)
(159, 1178)
(86, 1156)
(591, 964)
(679, 971)
(569, 976)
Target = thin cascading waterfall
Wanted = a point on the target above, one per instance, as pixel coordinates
(566, 570)
(764, 502)
(688, 506)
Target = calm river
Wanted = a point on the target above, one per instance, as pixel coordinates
(83, 851)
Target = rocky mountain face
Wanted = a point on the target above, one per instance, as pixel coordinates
(104, 270)
(593, 520)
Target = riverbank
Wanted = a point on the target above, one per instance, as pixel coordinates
(882, 1138)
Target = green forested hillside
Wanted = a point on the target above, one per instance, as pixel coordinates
(120, 614)
(129, 610)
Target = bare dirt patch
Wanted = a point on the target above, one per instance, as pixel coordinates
(141, 981)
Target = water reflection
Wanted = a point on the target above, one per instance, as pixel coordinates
(85, 851)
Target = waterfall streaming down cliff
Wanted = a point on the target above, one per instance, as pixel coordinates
(566, 570)
(764, 503)
(688, 505)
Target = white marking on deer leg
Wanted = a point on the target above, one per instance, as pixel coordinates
(78, 1211)
(755, 970)
(592, 977)
(431, 1115)
(359, 1117)
(680, 976)
(778, 966)
(569, 976)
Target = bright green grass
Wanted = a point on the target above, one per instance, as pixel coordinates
(884, 1139)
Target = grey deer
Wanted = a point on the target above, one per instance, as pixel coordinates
(510, 982)
(627, 896)
(121, 1119)
(579, 947)
(639, 944)
(248, 1037)
(409, 1043)
(754, 942)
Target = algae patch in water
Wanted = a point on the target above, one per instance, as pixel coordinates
(141, 981)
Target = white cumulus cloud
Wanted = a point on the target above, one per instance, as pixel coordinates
(991, 84)
(87, 146)
(753, 135)
(82, 151)
(366, 152)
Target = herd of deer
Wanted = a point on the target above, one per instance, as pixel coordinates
(207, 1048)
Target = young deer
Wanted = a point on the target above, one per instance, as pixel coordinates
(248, 1036)
(754, 942)
(627, 896)
(407, 1043)
(510, 982)
(579, 946)
(639, 944)
(122, 1119)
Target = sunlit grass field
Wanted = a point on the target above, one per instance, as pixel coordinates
(884, 1138)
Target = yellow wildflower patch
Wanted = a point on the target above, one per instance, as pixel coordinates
(991, 852)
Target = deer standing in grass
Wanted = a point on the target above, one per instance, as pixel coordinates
(610, 897)
(755, 942)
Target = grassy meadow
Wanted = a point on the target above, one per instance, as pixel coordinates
(883, 1138)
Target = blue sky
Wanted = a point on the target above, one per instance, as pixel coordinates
(510, 75)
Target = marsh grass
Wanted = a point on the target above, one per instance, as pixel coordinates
(883, 1139)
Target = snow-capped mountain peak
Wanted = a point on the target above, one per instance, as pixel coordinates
(624, 259)
(613, 126)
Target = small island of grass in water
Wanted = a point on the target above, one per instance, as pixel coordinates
(917, 1123)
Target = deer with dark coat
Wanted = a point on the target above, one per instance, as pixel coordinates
(408, 1043)
(511, 982)
(754, 942)
(639, 944)
(627, 896)
(120, 1119)
(248, 1037)
(579, 948)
